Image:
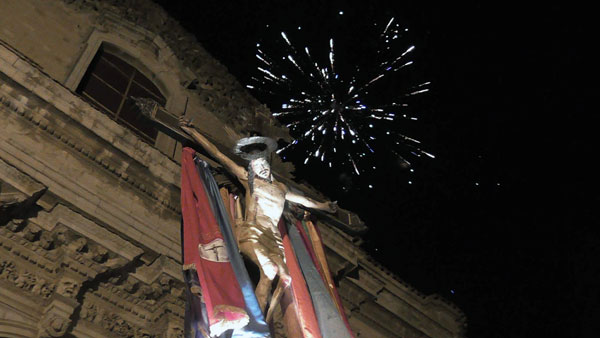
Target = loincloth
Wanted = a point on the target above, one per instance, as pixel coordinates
(265, 239)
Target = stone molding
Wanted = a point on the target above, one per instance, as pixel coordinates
(108, 159)
(39, 118)
(61, 215)
(73, 271)
(16, 329)
(56, 98)
(376, 290)
(28, 186)
(58, 258)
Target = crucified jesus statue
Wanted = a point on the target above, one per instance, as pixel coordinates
(259, 238)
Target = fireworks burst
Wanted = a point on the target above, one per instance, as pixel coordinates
(342, 117)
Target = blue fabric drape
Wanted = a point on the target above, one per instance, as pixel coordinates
(331, 323)
(195, 310)
(257, 327)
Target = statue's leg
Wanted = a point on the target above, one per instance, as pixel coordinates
(275, 299)
(282, 269)
(284, 282)
(263, 289)
(290, 316)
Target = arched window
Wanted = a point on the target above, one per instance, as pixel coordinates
(110, 82)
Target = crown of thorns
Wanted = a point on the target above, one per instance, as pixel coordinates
(252, 148)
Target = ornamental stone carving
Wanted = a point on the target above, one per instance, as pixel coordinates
(25, 280)
(89, 312)
(46, 241)
(78, 245)
(54, 326)
(32, 232)
(68, 287)
(56, 319)
(43, 288)
(15, 225)
(119, 326)
(8, 271)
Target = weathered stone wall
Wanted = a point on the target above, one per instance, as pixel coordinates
(85, 245)
(47, 32)
(56, 35)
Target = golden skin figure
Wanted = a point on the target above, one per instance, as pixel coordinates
(259, 238)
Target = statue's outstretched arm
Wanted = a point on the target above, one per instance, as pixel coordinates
(310, 203)
(210, 148)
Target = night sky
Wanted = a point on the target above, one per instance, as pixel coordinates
(500, 222)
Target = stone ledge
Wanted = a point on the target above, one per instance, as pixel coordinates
(91, 203)
(397, 297)
(19, 180)
(73, 106)
(87, 228)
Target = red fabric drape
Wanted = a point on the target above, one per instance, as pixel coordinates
(204, 251)
(321, 262)
(302, 301)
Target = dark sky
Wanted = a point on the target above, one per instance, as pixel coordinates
(501, 221)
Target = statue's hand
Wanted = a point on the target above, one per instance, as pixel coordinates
(331, 207)
(185, 123)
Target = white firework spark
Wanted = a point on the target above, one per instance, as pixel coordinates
(327, 112)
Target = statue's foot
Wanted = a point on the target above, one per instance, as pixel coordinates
(184, 122)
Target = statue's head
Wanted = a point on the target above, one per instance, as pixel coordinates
(261, 168)
(257, 150)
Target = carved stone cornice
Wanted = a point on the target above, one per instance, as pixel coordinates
(50, 98)
(28, 280)
(21, 182)
(377, 294)
(112, 323)
(57, 130)
(60, 254)
(105, 157)
(56, 318)
(75, 274)
(75, 253)
(17, 191)
(125, 303)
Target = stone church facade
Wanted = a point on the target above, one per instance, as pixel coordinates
(89, 193)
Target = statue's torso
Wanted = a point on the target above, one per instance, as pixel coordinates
(265, 203)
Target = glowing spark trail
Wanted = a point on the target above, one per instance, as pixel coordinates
(328, 109)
